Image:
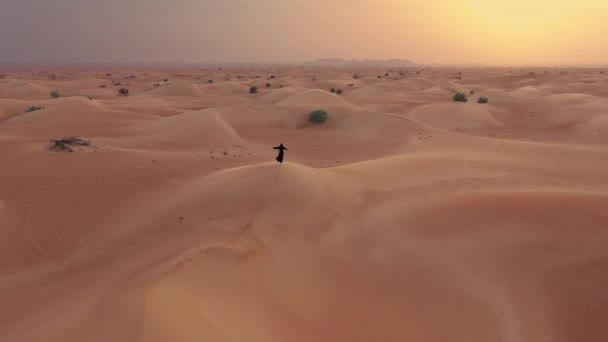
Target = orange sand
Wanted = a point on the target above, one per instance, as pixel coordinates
(405, 217)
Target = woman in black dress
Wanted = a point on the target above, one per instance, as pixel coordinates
(281, 148)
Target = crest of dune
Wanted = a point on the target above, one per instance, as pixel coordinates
(314, 96)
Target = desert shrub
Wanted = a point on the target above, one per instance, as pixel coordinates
(90, 98)
(460, 97)
(33, 109)
(350, 85)
(103, 86)
(166, 80)
(386, 74)
(253, 90)
(317, 116)
(356, 76)
(116, 84)
(268, 85)
(55, 94)
(210, 81)
(332, 90)
(157, 84)
(379, 76)
(271, 77)
(281, 86)
(339, 91)
(483, 100)
(124, 91)
(63, 145)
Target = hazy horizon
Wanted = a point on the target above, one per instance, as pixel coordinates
(272, 31)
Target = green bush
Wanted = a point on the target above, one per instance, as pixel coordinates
(210, 81)
(33, 108)
(268, 85)
(317, 116)
(339, 91)
(333, 90)
(124, 91)
(483, 100)
(54, 94)
(460, 97)
(253, 90)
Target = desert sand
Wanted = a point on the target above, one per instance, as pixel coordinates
(406, 216)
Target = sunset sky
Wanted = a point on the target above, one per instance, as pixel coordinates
(426, 31)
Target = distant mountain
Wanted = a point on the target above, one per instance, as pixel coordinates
(337, 62)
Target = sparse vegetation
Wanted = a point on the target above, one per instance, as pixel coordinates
(317, 116)
(339, 91)
(103, 86)
(124, 91)
(460, 97)
(166, 80)
(64, 145)
(33, 109)
(268, 85)
(210, 81)
(253, 90)
(483, 100)
(332, 90)
(55, 94)
(271, 77)
(157, 84)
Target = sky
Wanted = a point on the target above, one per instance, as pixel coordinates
(212, 31)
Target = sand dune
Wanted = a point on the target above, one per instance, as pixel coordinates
(313, 96)
(405, 216)
(197, 129)
(177, 89)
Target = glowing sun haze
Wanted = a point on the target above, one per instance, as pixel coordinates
(426, 31)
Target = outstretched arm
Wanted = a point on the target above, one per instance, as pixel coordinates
(285, 148)
(277, 147)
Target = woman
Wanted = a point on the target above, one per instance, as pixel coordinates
(281, 148)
